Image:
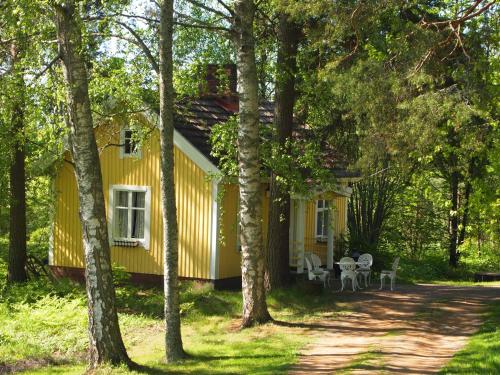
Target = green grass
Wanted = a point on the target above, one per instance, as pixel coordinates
(482, 353)
(43, 328)
(433, 267)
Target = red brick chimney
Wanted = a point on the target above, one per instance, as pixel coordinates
(221, 84)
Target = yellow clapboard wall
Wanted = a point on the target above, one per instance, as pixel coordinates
(229, 253)
(194, 209)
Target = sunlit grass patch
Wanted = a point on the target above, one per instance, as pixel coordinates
(482, 353)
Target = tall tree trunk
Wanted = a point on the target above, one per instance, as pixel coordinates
(278, 258)
(105, 340)
(253, 262)
(173, 340)
(465, 216)
(453, 219)
(17, 175)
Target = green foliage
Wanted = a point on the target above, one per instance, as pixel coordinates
(120, 275)
(223, 139)
(39, 329)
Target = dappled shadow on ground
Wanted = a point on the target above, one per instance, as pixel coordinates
(414, 330)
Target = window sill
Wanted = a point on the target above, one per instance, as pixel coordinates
(127, 243)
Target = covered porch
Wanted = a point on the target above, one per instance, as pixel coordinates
(316, 224)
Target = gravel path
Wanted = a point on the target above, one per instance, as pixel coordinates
(413, 330)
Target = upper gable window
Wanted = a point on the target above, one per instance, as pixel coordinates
(128, 146)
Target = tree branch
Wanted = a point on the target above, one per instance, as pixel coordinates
(144, 18)
(467, 15)
(47, 67)
(141, 44)
(209, 9)
(226, 7)
(202, 26)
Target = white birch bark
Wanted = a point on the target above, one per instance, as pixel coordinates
(105, 341)
(173, 340)
(253, 262)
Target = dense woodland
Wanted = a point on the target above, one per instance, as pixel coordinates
(405, 93)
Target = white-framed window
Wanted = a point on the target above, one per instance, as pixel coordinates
(129, 215)
(129, 146)
(322, 212)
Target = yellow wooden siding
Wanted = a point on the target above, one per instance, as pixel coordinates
(339, 225)
(194, 206)
(229, 255)
(67, 236)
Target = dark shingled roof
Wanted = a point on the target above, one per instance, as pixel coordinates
(196, 117)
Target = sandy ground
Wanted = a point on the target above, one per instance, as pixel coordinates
(413, 330)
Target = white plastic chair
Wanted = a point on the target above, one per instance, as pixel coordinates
(390, 274)
(348, 271)
(317, 275)
(365, 262)
(316, 263)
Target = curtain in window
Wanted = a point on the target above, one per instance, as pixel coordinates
(122, 223)
(322, 218)
(138, 206)
(130, 214)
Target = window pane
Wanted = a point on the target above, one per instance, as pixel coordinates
(325, 223)
(137, 224)
(139, 199)
(320, 204)
(122, 198)
(319, 224)
(127, 147)
(121, 223)
(326, 204)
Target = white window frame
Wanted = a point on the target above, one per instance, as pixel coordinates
(324, 236)
(147, 213)
(138, 151)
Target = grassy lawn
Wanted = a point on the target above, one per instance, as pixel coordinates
(43, 328)
(482, 353)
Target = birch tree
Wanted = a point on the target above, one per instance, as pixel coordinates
(105, 341)
(173, 339)
(252, 252)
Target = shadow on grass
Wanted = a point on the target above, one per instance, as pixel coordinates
(163, 368)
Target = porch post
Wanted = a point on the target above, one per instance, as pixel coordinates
(300, 231)
(329, 243)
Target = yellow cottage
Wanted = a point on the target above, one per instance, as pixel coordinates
(206, 209)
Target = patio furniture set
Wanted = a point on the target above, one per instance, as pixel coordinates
(350, 269)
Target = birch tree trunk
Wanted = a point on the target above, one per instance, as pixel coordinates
(173, 340)
(17, 177)
(253, 262)
(105, 341)
(278, 258)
